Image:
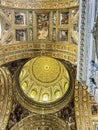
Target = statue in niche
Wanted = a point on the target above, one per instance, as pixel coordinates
(42, 26)
(64, 18)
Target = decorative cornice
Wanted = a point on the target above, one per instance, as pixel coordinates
(81, 44)
(18, 51)
(82, 107)
(85, 48)
(39, 5)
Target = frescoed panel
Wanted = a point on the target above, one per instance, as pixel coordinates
(64, 18)
(20, 17)
(63, 35)
(21, 34)
(43, 26)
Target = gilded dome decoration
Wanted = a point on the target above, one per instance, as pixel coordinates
(44, 84)
(44, 79)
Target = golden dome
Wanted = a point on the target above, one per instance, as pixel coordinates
(44, 79)
(46, 69)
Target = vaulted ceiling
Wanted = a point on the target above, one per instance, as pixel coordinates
(38, 58)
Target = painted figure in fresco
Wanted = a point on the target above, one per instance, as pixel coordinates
(63, 35)
(42, 26)
(19, 18)
(21, 35)
(43, 33)
(64, 18)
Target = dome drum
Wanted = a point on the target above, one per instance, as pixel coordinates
(44, 83)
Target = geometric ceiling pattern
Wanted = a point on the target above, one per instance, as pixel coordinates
(44, 79)
(44, 84)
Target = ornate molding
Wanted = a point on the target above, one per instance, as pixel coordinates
(17, 51)
(95, 35)
(8, 33)
(41, 122)
(85, 49)
(81, 44)
(82, 107)
(5, 96)
(39, 5)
